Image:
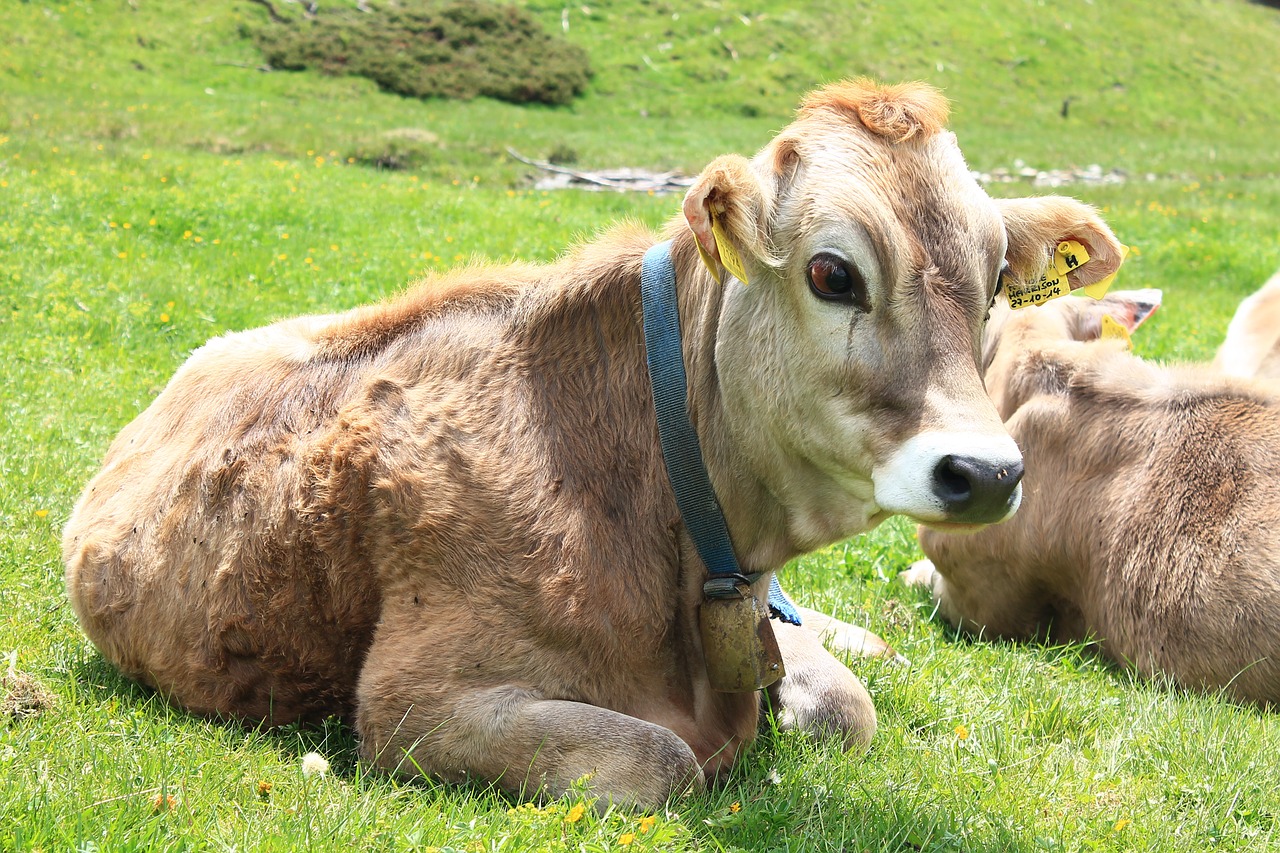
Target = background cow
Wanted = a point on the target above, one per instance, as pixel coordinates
(1149, 514)
(1252, 345)
(448, 515)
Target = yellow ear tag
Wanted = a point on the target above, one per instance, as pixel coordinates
(1114, 330)
(728, 254)
(1069, 256)
(1099, 288)
(709, 262)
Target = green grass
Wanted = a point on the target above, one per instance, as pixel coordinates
(230, 179)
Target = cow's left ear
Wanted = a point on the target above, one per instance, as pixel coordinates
(725, 211)
(1035, 227)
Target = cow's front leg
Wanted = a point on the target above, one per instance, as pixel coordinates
(525, 744)
(994, 599)
(819, 694)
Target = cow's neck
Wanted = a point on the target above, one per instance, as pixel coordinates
(756, 520)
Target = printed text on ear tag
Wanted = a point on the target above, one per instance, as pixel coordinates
(1068, 256)
(1114, 330)
(728, 254)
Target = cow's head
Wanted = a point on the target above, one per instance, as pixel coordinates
(1014, 343)
(849, 360)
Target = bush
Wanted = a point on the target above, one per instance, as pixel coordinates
(432, 49)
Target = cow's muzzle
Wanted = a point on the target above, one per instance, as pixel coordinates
(960, 478)
(977, 491)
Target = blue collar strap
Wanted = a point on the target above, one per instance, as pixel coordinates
(680, 450)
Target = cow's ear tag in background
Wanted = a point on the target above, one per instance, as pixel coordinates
(1114, 330)
(728, 254)
(737, 641)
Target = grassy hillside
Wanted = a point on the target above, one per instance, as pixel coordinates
(156, 189)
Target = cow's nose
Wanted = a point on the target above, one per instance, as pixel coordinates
(975, 491)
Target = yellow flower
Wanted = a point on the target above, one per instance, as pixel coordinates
(163, 803)
(264, 789)
(961, 732)
(575, 814)
(164, 318)
(627, 838)
(41, 513)
(735, 808)
(1121, 824)
(646, 823)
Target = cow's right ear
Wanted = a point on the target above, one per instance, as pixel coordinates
(1035, 227)
(725, 210)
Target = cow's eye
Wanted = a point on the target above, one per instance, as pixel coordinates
(1004, 271)
(832, 279)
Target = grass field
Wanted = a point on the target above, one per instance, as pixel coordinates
(156, 190)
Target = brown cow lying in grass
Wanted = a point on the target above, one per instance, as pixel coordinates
(1149, 516)
(448, 517)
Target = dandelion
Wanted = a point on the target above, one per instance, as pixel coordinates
(281, 257)
(264, 789)
(735, 808)
(122, 255)
(626, 838)
(41, 513)
(961, 732)
(126, 225)
(646, 823)
(163, 803)
(284, 236)
(1121, 824)
(314, 764)
(186, 235)
(575, 814)
(164, 318)
(152, 222)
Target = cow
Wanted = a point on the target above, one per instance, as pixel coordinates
(1251, 347)
(447, 518)
(1149, 516)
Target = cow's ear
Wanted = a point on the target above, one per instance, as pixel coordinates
(1035, 227)
(725, 210)
(1128, 308)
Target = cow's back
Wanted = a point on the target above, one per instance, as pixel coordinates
(219, 555)
(1191, 583)
(1149, 522)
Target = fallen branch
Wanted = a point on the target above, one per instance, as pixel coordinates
(628, 180)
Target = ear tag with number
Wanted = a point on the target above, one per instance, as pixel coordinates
(741, 652)
(728, 255)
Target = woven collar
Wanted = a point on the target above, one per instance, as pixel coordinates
(680, 449)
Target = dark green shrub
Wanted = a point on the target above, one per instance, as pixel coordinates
(432, 49)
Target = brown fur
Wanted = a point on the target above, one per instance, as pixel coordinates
(447, 516)
(896, 112)
(1149, 516)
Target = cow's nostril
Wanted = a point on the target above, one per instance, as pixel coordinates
(950, 482)
(976, 490)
